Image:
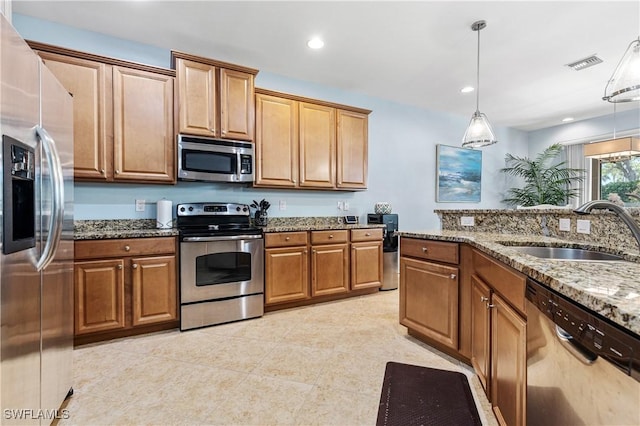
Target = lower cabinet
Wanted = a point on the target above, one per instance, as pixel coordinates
(307, 267)
(124, 287)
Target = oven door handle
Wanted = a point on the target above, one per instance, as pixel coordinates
(225, 238)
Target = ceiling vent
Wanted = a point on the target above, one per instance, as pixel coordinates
(585, 63)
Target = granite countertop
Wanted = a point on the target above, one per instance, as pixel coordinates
(318, 227)
(611, 288)
(125, 228)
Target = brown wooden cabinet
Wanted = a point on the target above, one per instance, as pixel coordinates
(308, 143)
(124, 287)
(329, 262)
(480, 330)
(123, 116)
(366, 258)
(215, 99)
(286, 267)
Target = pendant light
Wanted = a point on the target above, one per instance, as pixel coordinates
(624, 84)
(479, 133)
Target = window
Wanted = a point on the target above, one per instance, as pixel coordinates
(620, 176)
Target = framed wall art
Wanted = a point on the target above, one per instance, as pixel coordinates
(458, 174)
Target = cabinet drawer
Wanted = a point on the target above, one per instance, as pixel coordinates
(285, 239)
(427, 249)
(325, 237)
(366, 234)
(509, 283)
(100, 249)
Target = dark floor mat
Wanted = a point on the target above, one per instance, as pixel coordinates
(413, 395)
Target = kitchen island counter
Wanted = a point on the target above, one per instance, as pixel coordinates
(610, 288)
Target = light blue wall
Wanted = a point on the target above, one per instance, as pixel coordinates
(402, 146)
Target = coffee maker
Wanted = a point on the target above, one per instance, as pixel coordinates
(389, 248)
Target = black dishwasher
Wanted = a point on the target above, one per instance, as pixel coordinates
(581, 368)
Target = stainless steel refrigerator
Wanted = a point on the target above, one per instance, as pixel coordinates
(36, 264)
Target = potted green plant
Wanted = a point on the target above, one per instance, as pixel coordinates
(546, 181)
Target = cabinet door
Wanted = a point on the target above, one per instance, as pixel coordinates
(329, 269)
(429, 300)
(87, 82)
(286, 274)
(237, 107)
(317, 146)
(197, 98)
(143, 126)
(366, 265)
(480, 330)
(508, 363)
(154, 289)
(352, 146)
(276, 141)
(99, 296)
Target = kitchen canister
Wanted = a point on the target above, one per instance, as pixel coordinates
(164, 217)
(382, 207)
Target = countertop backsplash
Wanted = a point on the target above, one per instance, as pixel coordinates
(606, 228)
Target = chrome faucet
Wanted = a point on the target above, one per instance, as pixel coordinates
(618, 210)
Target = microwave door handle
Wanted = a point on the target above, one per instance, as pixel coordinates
(57, 198)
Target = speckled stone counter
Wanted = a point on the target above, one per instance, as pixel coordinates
(288, 224)
(610, 288)
(119, 228)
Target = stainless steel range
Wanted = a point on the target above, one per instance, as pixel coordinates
(221, 264)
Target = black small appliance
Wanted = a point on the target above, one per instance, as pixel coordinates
(389, 247)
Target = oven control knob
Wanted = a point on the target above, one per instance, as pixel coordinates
(182, 209)
(238, 208)
(244, 209)
(190, 209)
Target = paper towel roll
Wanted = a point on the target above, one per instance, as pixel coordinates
(164, 218)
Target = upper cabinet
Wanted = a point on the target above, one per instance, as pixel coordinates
(123, 116)
(215, 99)
(309, 144)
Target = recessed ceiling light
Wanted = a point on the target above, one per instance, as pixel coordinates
(467, 89)
(315, 43)
(567, 119)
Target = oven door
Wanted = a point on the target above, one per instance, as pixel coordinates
(221, 267)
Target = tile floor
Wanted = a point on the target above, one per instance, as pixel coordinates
(318, 365)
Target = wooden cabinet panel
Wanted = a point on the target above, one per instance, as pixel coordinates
(286, 274)
(196, 98)
(480, 330)
(429, 300)
(429, 250)
(87, 82)
(237, 107)
(285, 239)
(154, 289)
(95, 249)
(506, 281)
(508, 363)
(366, 265)
(276, 141)
(99, 296)
(329, 269)
(143, 126)
(317, 145)
(352, 146)
(369, 234)
(329, 237)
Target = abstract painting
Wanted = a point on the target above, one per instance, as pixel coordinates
(459, 172)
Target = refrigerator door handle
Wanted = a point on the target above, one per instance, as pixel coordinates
(57, 198)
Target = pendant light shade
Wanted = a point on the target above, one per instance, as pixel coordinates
(479, 133)
(624, 84)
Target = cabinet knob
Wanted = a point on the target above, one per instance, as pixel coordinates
(294, 181)
(330, 235)
(223, 133)
(287, 238)
(489, 306)
(314, 251)
(368, 234)
(117, 172)
(127, 248)
(424, 249)
(119, 267)
(101, 171)
(484, 299)
(134, 266)
(212, 130)
(452, 276)
(305, 252)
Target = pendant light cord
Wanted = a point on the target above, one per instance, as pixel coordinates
(478, 75)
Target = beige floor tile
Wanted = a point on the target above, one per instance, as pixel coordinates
(295, 363)
(329, 406)
(351, 373)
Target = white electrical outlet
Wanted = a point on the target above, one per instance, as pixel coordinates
(584, 226)
(139, 205)
(283, 205)
(340, 205)
(564, 224)
(467, 221)
(345, 206)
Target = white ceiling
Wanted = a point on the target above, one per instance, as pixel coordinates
(419, 53)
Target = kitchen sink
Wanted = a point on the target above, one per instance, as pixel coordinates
(564, 253)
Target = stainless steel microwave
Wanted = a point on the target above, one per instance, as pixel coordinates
(214, 160)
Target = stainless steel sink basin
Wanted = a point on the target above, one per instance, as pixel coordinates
(563, 253)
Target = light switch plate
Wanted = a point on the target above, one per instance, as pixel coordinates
(283, 205)
(565, 224)
(467, 221)
(139, 205)
(584, 226)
